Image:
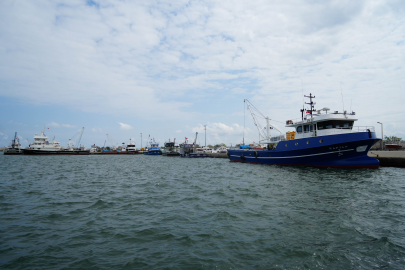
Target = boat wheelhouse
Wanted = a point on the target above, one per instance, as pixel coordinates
(319, 139)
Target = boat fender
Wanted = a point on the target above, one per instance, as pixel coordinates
(255, 154)
(227, 153)
(242, 157)
(369, 133)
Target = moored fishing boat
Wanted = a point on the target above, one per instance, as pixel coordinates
(153, 149)
(14, 148)
(129, 149)
(189, 150)
(170, 149)
(319, 140)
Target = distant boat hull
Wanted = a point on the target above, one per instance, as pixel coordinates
(340, 151)
(153, 152)
(171, 154)
(56, 153)
(393, 146)
(120, 152)
(12, 151)
(194, 155)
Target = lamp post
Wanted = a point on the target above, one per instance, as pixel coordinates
(141, 141)
(205, 127)
(382, 134)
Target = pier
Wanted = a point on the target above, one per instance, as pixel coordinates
(389, 158)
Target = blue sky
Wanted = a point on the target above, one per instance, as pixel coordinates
(167, 68)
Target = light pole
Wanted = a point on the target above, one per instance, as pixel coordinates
(205, 127)
(141, 141)
(382, 134)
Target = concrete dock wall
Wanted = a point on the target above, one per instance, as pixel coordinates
(389, 158)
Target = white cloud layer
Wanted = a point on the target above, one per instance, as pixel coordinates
(159, 60)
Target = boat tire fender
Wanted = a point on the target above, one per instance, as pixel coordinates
(369, 133)
(227, 153)
(242, 157)
(255, 154)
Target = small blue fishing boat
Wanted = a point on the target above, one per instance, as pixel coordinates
(153, 149)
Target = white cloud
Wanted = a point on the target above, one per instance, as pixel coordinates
(96, 130)
(221, 133)
(5, 137)
(68, 126)
(125, 126)
(54, 125)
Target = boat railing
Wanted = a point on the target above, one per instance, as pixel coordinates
(342, 130)
(275, 139)
(361, 128)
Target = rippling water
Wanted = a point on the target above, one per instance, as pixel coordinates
(155, 212)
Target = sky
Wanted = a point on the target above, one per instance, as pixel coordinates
(166, 69)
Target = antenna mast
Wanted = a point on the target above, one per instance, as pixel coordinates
(311, 103)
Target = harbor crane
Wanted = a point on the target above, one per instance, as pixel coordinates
(115, 145)
(76, 142)
(264, 132)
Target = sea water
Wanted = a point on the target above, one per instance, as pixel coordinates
(156, 212)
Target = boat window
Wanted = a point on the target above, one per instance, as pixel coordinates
(311, 128)
(299, 129)
(306, 128)
(334, 124)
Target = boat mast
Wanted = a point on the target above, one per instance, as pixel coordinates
(195, 141)
(311, 103)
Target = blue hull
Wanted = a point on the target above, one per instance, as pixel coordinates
(342, 151)
(153, 152)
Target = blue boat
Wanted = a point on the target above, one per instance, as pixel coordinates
(319, 139)
(153, 149)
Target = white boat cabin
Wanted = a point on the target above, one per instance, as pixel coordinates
(41, 143)
(323, 124)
